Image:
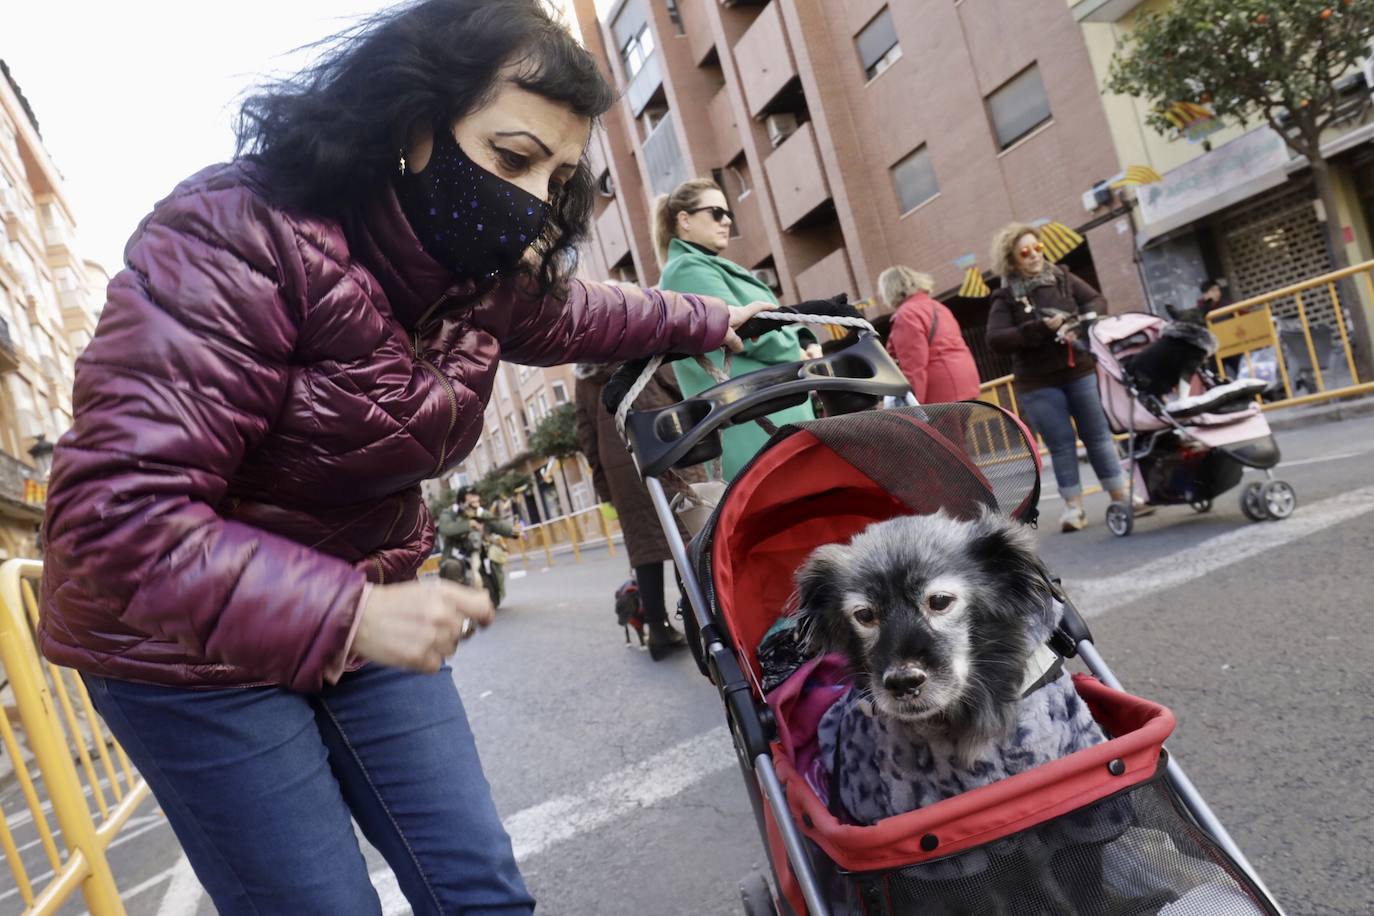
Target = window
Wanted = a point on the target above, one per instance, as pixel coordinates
(675, 15)
(560, 393)
(877, 44)
(543, 405)
(514, 429)
(914, 179)
(634, 37)
(1018, 107)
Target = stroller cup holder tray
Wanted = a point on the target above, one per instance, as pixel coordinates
(688, 433)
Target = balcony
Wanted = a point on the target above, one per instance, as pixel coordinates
(829, 276)
(663, 158)
(721, 113)
(1103, 10)
(764, 60)
(796, 177)
(644, 84)
(21, 493)
(9, 356)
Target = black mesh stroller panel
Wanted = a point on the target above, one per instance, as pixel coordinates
(959, 457)
(1136, 853)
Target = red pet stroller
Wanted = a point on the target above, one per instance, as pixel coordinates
(1189, 450)
(1030, 844)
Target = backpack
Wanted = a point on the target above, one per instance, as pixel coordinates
(628, 611)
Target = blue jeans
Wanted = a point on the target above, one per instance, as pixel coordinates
(1048, 411)
(261, 785)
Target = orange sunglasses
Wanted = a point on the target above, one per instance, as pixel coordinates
(1025, 252)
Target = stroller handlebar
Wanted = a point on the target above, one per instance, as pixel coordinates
(688, 433)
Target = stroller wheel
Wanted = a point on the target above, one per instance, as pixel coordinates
(1252, 502)
(1119, 519)
(1201, 505)
(757, 896)
(1279, 499)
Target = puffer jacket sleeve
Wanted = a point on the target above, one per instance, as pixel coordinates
(186, 373)
(600, 323)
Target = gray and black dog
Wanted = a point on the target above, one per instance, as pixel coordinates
(1174, 357)
(940, 619)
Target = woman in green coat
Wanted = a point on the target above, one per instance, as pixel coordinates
(691, 229)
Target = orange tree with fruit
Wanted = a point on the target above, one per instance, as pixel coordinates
(1277, 62)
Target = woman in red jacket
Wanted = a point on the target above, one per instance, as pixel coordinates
(298, 339)
(925, 339)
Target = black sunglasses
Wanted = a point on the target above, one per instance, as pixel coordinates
(717, 213)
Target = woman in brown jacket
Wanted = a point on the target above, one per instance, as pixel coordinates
(617, 481)
(1033, 317)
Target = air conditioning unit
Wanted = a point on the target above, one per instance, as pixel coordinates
(767, 276)
(1099, 195)
(780, 127)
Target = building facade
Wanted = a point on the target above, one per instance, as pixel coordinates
(852, 136)
(1235, 203)
(521, 398)
(49, 299)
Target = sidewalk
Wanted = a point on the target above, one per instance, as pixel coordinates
(1314, 414)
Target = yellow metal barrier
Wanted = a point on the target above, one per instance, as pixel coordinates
(55, 735)
(1249, 326)
(575, 529)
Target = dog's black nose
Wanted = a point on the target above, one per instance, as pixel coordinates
(904, 680)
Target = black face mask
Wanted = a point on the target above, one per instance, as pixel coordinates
(473, 222)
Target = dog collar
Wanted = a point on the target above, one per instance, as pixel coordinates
(1042, 668)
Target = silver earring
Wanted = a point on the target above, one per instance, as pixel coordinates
(403, 162)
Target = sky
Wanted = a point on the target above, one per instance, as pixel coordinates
(134, 96)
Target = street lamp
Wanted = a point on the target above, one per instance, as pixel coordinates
(41, 453)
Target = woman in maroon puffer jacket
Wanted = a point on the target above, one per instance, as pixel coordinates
(298, 339)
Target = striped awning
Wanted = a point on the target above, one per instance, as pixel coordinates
(1058, 240)
(1137, 175)
(974, 287)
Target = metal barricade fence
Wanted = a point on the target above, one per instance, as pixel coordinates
(61, 729)
(1307, 329)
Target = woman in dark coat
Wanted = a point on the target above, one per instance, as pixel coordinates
(1033, 318)
(298, 339)
(618, 482)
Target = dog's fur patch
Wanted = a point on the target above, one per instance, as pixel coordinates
(1174, 357)
(938, 618)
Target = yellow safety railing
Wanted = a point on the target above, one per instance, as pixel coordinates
(575, 529)
(60, 726)
(1245, 327)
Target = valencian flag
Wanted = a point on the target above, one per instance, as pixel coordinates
(974, 287)
(1136, 175)
(1058, 240)
(1193, 120)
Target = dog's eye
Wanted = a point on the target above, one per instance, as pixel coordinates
(939, 602)
(866, 616)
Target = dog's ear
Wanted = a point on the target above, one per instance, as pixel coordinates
(819, 591)
(1005, 550)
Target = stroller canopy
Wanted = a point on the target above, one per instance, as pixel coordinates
(824, 482)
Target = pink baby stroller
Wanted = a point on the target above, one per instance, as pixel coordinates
(1192, 448)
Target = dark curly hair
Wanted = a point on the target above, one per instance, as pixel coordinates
(327, 138)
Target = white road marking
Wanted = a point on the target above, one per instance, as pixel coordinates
(601, 801)
(1098, 596)
(1321, 459)
(184, 892)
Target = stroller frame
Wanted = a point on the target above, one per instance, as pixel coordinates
(1120, 515)
(864, 369)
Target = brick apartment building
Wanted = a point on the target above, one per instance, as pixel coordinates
(850, 136)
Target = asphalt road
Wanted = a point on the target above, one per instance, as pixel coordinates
(620, 789)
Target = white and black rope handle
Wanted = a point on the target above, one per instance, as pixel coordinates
(723, 375)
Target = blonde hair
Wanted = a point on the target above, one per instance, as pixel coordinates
(1004, 246)
(897, 284)
(685, 196)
